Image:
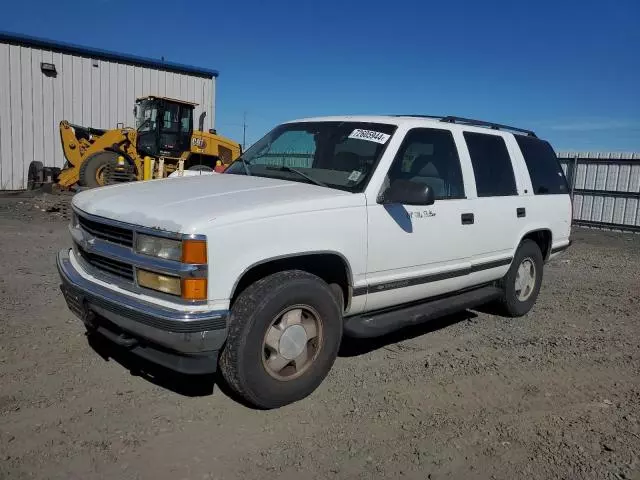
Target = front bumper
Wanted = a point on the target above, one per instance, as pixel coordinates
(185, 341)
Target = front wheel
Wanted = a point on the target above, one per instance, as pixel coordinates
(284, 334)
(521, 284)
(93, 169)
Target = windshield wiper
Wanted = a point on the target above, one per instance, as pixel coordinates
(245, 164)
(284, 168)
(144, 122)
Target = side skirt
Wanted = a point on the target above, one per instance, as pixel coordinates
(375, 324)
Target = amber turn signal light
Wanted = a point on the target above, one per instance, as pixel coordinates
(194, 251)
(194, 288)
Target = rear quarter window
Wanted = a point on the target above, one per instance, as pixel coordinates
(547, 177)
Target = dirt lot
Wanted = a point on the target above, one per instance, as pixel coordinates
(553, 395)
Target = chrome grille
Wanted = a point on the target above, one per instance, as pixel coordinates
(109, 265)
(107, 232)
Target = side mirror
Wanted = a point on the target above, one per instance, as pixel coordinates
(406, 192)
(135, 111)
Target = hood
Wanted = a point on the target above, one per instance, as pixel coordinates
(184, 204)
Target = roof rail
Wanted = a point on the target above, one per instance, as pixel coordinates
(481, 123)
(419, 116)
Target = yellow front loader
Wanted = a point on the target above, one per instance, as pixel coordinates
(163, 141)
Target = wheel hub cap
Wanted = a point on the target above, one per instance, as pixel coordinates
(292, 342)
(525, 279)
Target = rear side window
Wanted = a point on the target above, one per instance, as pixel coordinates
(545, 171)
(491, 165)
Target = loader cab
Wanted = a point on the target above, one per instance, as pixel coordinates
(164, 126)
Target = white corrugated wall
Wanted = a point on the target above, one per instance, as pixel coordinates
(101, 96)
(607, 187)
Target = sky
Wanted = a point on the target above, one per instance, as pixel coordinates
(570, 70)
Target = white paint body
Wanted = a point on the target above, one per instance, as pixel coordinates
(249, 220)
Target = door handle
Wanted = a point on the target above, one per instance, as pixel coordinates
(521, 212)
(467, 218)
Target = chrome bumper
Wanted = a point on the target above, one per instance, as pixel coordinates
(143, 324)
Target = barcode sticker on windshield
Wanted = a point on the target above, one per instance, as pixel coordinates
(355, 176)
(369, 135)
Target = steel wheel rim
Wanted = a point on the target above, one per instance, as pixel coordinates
(525, 279)
(292, 342)
(100, 175)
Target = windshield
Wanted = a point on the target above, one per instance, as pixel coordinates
(146, 114)
(340, 155)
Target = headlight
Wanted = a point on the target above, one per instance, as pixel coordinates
(189, 251)
(159, 247)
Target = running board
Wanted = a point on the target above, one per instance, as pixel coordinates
(380, 323)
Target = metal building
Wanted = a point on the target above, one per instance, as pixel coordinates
(43, 82)
(605, 187)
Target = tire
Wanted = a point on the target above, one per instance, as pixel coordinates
(515, 301)
(35, 175)
(245, 359)
(91, 173)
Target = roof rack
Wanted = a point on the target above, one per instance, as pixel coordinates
(419, 116)
(481, 123)
(471, 122)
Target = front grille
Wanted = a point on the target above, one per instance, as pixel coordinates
(109, 265)
(110, 233)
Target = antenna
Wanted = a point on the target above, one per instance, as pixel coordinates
(244, 130)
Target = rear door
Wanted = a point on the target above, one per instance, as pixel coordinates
(497, 206)
(548, 200)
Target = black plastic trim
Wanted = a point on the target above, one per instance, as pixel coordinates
(357, 291)
(204, 363)
(434, 277)
(560, 249)
(375, 324)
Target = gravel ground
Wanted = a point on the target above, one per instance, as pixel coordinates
(555, 394)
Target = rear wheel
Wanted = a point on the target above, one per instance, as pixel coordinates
(35, 175)
(522, 282)
(284, 335)
(93, 169)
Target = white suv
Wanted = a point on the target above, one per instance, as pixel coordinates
(324, 227)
